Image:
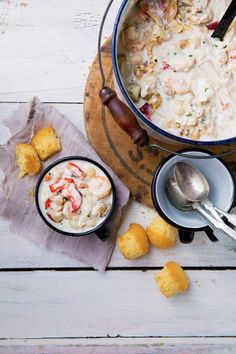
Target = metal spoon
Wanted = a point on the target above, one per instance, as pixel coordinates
(194, 186)
(230, 217)
(224, 233)
(176, 197)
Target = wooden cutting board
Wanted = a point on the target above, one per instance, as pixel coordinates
(134, 166)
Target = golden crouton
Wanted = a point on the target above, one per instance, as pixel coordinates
(27, 160)
(134, 242)
(172, 279)
(46, 143)
(161, 234)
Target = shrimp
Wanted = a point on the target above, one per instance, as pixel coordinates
(67, 211)
(87, 204)
(76, 171)
(83, 218)
(172, 86)
(55, 216)
(54, 202)
(80, 222)
(200, 16)
(100, 186)
(100, 209)
(70, 192)
(182, 63)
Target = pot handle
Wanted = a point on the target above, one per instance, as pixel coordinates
(123, 116)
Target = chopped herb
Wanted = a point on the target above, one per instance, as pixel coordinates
(155, 60)
(225, 46)
(216, 45)
(206, 89)
(49, 173)
(175, 53)
(203, 42)
(190, 55)
(202, 120)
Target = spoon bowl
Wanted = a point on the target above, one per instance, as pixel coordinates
(191, 182)
(176, 196)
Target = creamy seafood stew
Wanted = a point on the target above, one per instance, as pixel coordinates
(75, 196)
(176, 74)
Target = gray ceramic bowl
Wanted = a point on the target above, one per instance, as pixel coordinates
(222, 190)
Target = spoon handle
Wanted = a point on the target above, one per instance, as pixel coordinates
(230, 217)
(226, 21)
(215, 224)
(209, 206)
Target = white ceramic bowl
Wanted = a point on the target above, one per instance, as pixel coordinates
(222, 190)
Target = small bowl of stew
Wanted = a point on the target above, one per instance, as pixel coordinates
(75, 196)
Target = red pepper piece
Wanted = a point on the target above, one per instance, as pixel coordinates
(146, 110)
(212, 26)
(69, 180)
(58, 186)
(48, 203)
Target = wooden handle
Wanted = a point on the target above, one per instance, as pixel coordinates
(123, 116)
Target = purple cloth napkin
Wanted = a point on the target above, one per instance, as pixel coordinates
(17, 203)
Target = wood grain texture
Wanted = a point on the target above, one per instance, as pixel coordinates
(120, 346)
(19, 253)
(116, 303)
(135, 166)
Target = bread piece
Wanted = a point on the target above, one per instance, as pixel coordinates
(46, 143)
(27, 160)
(134, 242)
(161, 234)
(172, 279)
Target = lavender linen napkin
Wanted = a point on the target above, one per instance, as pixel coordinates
(16, 202)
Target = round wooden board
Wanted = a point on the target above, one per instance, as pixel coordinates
(133, 165)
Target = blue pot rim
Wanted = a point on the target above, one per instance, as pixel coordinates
(132, 105)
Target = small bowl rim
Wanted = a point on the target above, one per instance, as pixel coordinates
(154, 199)
(57, 162)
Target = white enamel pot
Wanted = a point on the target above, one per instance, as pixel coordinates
(124, 111)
